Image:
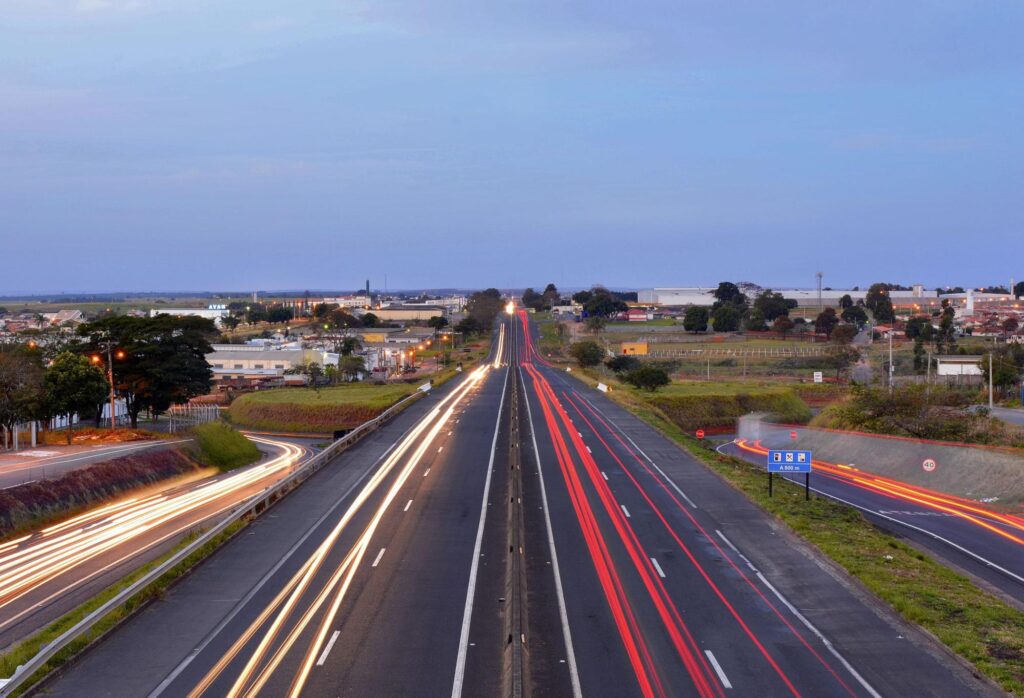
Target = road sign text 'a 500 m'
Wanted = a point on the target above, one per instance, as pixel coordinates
(789, 461)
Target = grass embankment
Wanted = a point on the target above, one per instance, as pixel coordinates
(25, 650)
(305, 410)
(219, 445)
(34, 504)
(976, 625)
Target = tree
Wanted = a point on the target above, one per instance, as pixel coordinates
(587, 353)
(483, 307)
(1005, 370)
(773, 305)
(551, 295)
(279, 313)
(231, 322)
(842, 356)
(340, 318)
(696, 319)
(1010, 325)
(783, 325)
(371, 320)
(622, 363)
(322, 310)
(164, 359)
(728, 292)
(349, 345)
(73, 386)
(879, 302)
(351, 367)
(596, 323)
(21, 385)
(854, 314)
(826, 322)
(844, 334)
(437, 322)
(945, 338)
(532, 299)
(603, 303)
(755, 321)
(648, 378)
(1018, 289)
(582, 297)
(846, 301)
(919, 326)
(726, 318)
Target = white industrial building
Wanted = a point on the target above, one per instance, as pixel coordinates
(803, 296)
(217, 313)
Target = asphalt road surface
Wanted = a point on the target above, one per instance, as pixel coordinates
(981, 541)
(515, 534)
(45, 574)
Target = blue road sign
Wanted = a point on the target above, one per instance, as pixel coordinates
(789, 461)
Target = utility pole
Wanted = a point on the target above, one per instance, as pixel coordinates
(891, 368)
(991, 402)
(821, 306)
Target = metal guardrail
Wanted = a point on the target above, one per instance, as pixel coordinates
(254, 506)
(779, 352)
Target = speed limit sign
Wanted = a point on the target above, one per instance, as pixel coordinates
(928, 465)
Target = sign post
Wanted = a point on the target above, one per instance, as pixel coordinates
(785, 461)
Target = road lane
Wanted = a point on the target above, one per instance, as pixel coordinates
(49, 572)
(985, 543)
(691, 593)
(319, 614)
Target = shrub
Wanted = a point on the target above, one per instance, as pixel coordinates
(587, 353)
(713, 411)
(219, 445)
(647, 378)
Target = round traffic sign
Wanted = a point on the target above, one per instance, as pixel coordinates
(700, 433)
(928, 465)
(792, 435)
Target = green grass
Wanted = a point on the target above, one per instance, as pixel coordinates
(979, 627)
(25, 650)
(304, 410)
(664, 322)
(219, 445)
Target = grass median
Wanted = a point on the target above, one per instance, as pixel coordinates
(976, 625)
(305, 410)
(219, 445)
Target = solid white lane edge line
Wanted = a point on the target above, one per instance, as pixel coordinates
(376, 560)
(574, 675)
(327, 649)
(625, 511)
(718, 668)
(810, 626)
(641, 451)
(467, 613)
(407, 505)
(657, 567)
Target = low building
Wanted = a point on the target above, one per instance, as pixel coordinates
(634, 349)
(217, 313)
(958, 367)
(408, 313)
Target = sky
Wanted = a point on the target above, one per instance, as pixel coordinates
(256, 144)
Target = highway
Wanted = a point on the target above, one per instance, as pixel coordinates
(47, 573)
(984, 542)
(514, 533)
(675, 584)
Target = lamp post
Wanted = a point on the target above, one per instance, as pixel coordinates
(109, 347)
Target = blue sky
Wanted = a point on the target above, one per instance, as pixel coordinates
(206, 144)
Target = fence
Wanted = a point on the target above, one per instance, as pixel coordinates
(251, 507)
(186, 416)
(781, 352)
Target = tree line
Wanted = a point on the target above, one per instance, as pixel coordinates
(156, 362)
